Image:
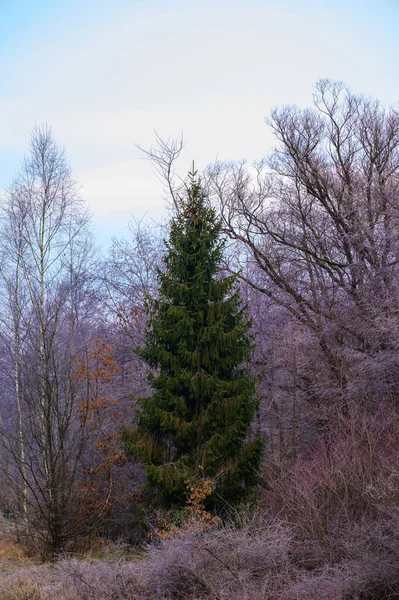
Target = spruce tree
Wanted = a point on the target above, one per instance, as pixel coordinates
(197, 420)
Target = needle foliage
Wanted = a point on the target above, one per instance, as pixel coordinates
(197, 421)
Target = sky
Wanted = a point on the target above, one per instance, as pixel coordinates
(106, 74)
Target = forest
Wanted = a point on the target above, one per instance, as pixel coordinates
(207, 409)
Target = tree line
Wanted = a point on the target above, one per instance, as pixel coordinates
(224, 352)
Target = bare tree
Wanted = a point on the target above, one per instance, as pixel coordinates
(163, 155)
(131, 266)
(317, 227)
(46, 247)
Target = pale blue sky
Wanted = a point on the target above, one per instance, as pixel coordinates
(105, 74)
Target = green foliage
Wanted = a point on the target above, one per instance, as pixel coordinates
(197, 420)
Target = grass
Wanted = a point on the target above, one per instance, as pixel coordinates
(12, 553)
(328, 529)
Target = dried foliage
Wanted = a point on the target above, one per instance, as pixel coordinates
(255, 562)
(195, 517)
(330, 529)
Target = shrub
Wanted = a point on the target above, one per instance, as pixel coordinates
(351, 477)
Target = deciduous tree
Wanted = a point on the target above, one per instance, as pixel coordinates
(46, 248)
(317, 227)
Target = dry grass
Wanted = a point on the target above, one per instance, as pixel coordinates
(12, 552)
(330, 532)
(256, 562)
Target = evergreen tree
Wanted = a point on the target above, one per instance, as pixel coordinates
(197, 420)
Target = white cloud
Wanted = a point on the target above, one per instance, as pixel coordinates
(213, 71)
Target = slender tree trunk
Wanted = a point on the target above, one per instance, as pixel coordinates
(294, 404)
(18, 395)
